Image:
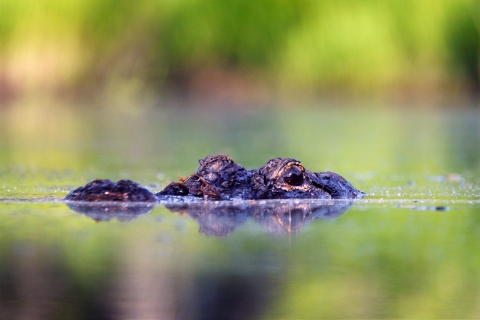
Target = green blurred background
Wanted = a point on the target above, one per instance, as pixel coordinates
(239, 52)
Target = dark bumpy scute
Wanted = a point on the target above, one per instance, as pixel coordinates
(106, 190)
(217, 178)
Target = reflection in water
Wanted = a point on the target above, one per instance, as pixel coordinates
(278, 217)
(221, 218)
(106, 211)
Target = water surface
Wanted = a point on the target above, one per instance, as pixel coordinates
(411, 249)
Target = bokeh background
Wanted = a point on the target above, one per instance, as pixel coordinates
(239, 53)
(383, 92)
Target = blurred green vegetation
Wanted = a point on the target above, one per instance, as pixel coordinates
(244, 50)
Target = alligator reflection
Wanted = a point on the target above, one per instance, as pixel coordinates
(280, 217)
(106, 211)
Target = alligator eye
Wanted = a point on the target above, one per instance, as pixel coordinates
(293, 176)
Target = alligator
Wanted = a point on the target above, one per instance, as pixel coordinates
(220, 178)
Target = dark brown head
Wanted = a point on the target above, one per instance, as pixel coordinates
(220, 178)
(287, 178)
(282, 178)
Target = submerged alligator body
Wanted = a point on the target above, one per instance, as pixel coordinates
(220, 178)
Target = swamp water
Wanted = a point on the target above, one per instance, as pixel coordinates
(411, 249)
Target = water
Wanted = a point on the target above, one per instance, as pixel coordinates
(410, 249)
